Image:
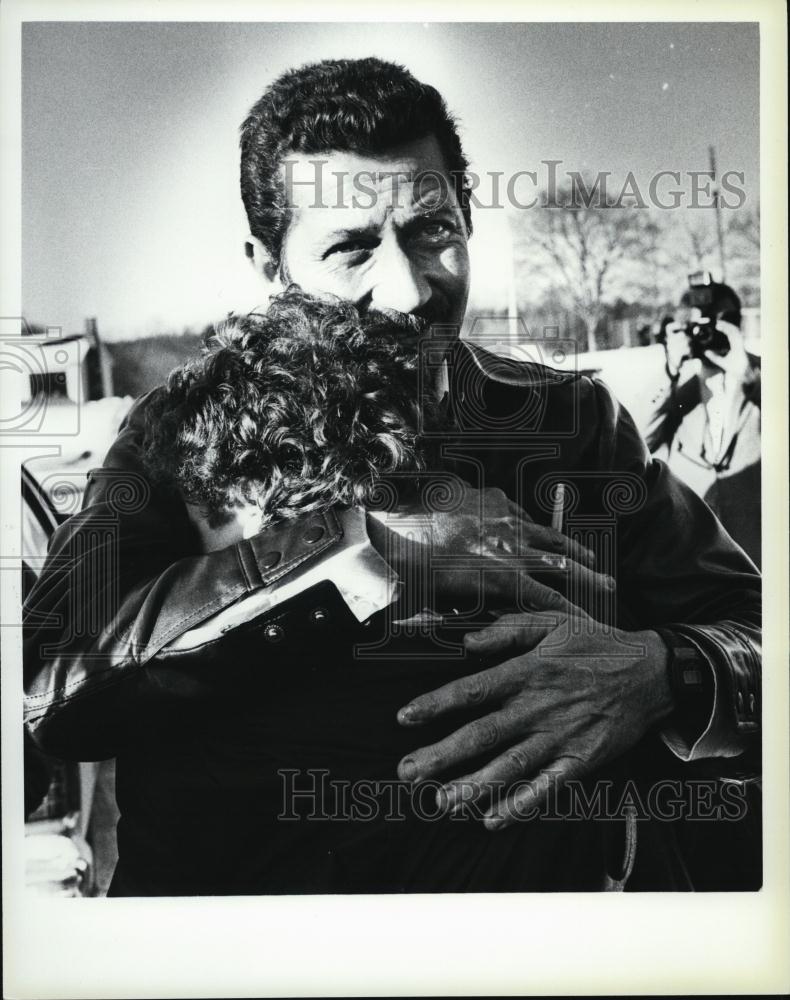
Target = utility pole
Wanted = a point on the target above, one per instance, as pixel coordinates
(512, 298)
(103, 369)
(717, 205)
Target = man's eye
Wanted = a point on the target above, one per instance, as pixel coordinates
(437, 231)
(349, 247)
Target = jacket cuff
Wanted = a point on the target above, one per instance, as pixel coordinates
(718, 735)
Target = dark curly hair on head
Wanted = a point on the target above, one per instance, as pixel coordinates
(298, 409)
(351, 105)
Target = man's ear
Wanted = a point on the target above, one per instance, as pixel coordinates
(261, 261)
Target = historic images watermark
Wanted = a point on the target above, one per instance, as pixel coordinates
(550, 186)
(313, 795)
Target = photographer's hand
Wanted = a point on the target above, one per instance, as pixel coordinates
(734, 364)
(676, 349)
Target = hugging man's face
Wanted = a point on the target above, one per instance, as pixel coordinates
(385, 232)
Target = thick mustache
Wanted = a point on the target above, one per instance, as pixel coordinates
(415, 324)
(410, 324)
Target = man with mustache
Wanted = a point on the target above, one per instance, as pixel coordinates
(675, 649)
(309, 408)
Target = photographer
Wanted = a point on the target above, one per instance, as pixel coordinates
(707, 426)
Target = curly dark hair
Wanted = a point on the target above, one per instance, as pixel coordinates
(352, 105)
(298, 409)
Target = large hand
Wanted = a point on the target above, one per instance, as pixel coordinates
(488, 534)
(569, 696)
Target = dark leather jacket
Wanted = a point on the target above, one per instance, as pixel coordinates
(122, 580)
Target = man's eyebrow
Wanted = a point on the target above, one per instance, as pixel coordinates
(348, 232)
(433, 211)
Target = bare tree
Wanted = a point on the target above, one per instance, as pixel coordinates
(743, 252)
(691, 240)
(700, 243)
(744, 226)
(693, 234)
(587, 253)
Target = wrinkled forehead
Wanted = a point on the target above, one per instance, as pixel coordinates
(351, 190)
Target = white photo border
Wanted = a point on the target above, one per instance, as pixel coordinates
(535, 944)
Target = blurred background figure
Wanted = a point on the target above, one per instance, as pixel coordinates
(706, 424)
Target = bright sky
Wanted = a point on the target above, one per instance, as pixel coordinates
(131, 210)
